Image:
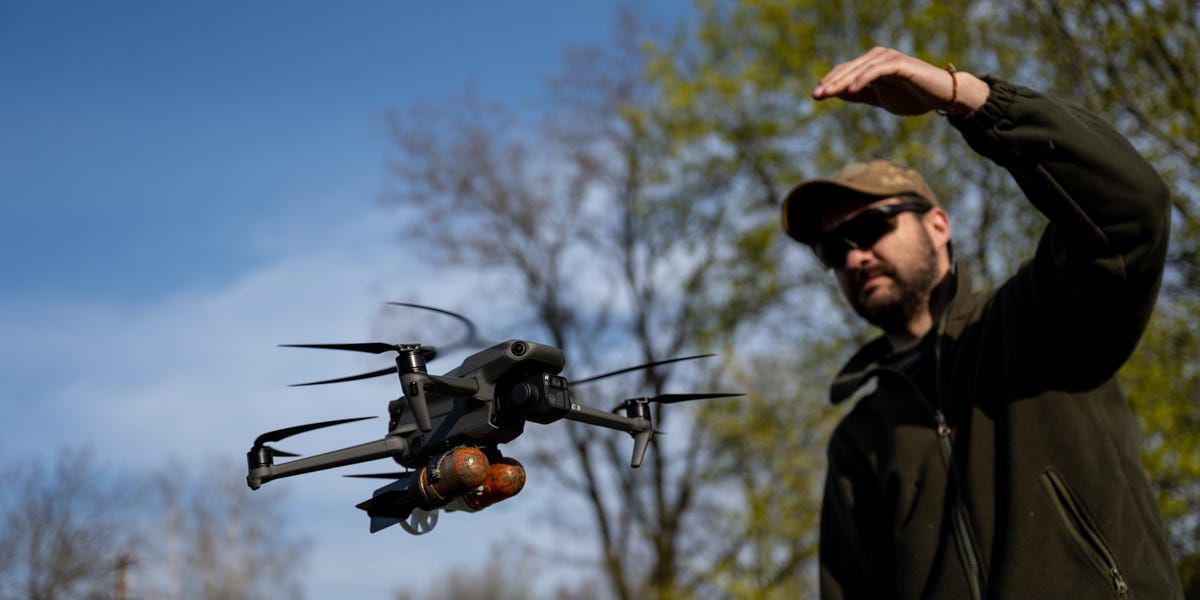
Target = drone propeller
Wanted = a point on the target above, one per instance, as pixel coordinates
(472, 337)
(411, 359)
(673, 398)
(287, 432)
(379, 373)
(394, 475)
(371, 347)
(261, 454)
(427, 352)
(638, 367)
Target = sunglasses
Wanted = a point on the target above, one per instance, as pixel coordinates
(862, 231)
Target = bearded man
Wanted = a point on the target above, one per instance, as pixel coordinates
(990, 453)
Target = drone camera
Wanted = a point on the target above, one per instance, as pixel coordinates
(541, 398)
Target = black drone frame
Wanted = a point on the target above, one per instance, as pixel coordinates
(483, 402)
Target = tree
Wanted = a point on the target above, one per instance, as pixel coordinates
(72, 529)
(735, 97)
(736, 89)
(609, 243)
(1137, 62)
(65, 529)
(676, 177)
(772, 447)
(1163, 383)
(502, 578)
(207, 536)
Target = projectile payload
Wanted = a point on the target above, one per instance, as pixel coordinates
(505, 478)
(449, 476)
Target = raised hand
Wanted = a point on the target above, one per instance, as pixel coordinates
(902, 85)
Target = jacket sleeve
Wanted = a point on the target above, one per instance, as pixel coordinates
(1091, 287)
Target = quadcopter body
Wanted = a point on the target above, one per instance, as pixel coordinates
(446, 429)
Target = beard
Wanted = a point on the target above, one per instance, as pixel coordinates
(893, 309)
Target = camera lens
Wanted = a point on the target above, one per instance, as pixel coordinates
(524, 395)
(518, 348)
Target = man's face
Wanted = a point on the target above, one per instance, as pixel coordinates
(888, 281)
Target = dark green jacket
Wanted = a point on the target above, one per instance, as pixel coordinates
(1034, 488)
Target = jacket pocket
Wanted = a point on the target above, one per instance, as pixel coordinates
(1083, 529)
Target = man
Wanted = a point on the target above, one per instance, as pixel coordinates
(991, 453)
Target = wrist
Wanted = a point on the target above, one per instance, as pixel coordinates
(973, 93)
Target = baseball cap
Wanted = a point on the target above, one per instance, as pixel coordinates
(802, 207)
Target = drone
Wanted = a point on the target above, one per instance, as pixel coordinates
(445, 430)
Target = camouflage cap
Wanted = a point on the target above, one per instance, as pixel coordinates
(803, 205)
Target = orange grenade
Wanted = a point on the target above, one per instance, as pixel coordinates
(449, 476)
(505, 477)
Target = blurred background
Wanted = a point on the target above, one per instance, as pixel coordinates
(185, 186)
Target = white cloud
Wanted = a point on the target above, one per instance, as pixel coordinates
(199, 374)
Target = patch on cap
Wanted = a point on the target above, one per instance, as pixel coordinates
(803, 205)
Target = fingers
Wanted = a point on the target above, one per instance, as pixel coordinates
(889, 79)
(841, 77)
(924, 77)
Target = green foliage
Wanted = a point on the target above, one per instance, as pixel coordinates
(673, 183)
(772, 442)
(1163, 384)
(1138, 63)
(734, 98)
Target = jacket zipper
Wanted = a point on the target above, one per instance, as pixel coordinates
(962, 527)
(959, 516)
(1084, 530)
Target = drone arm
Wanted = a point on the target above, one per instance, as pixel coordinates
(389, 446)
(592, 416)
(637, 424)
(465, 386)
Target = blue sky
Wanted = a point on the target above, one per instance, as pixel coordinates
(185, 185)
(183, 128)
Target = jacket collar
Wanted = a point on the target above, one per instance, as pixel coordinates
(861, 367)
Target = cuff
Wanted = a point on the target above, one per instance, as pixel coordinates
(993, 112)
